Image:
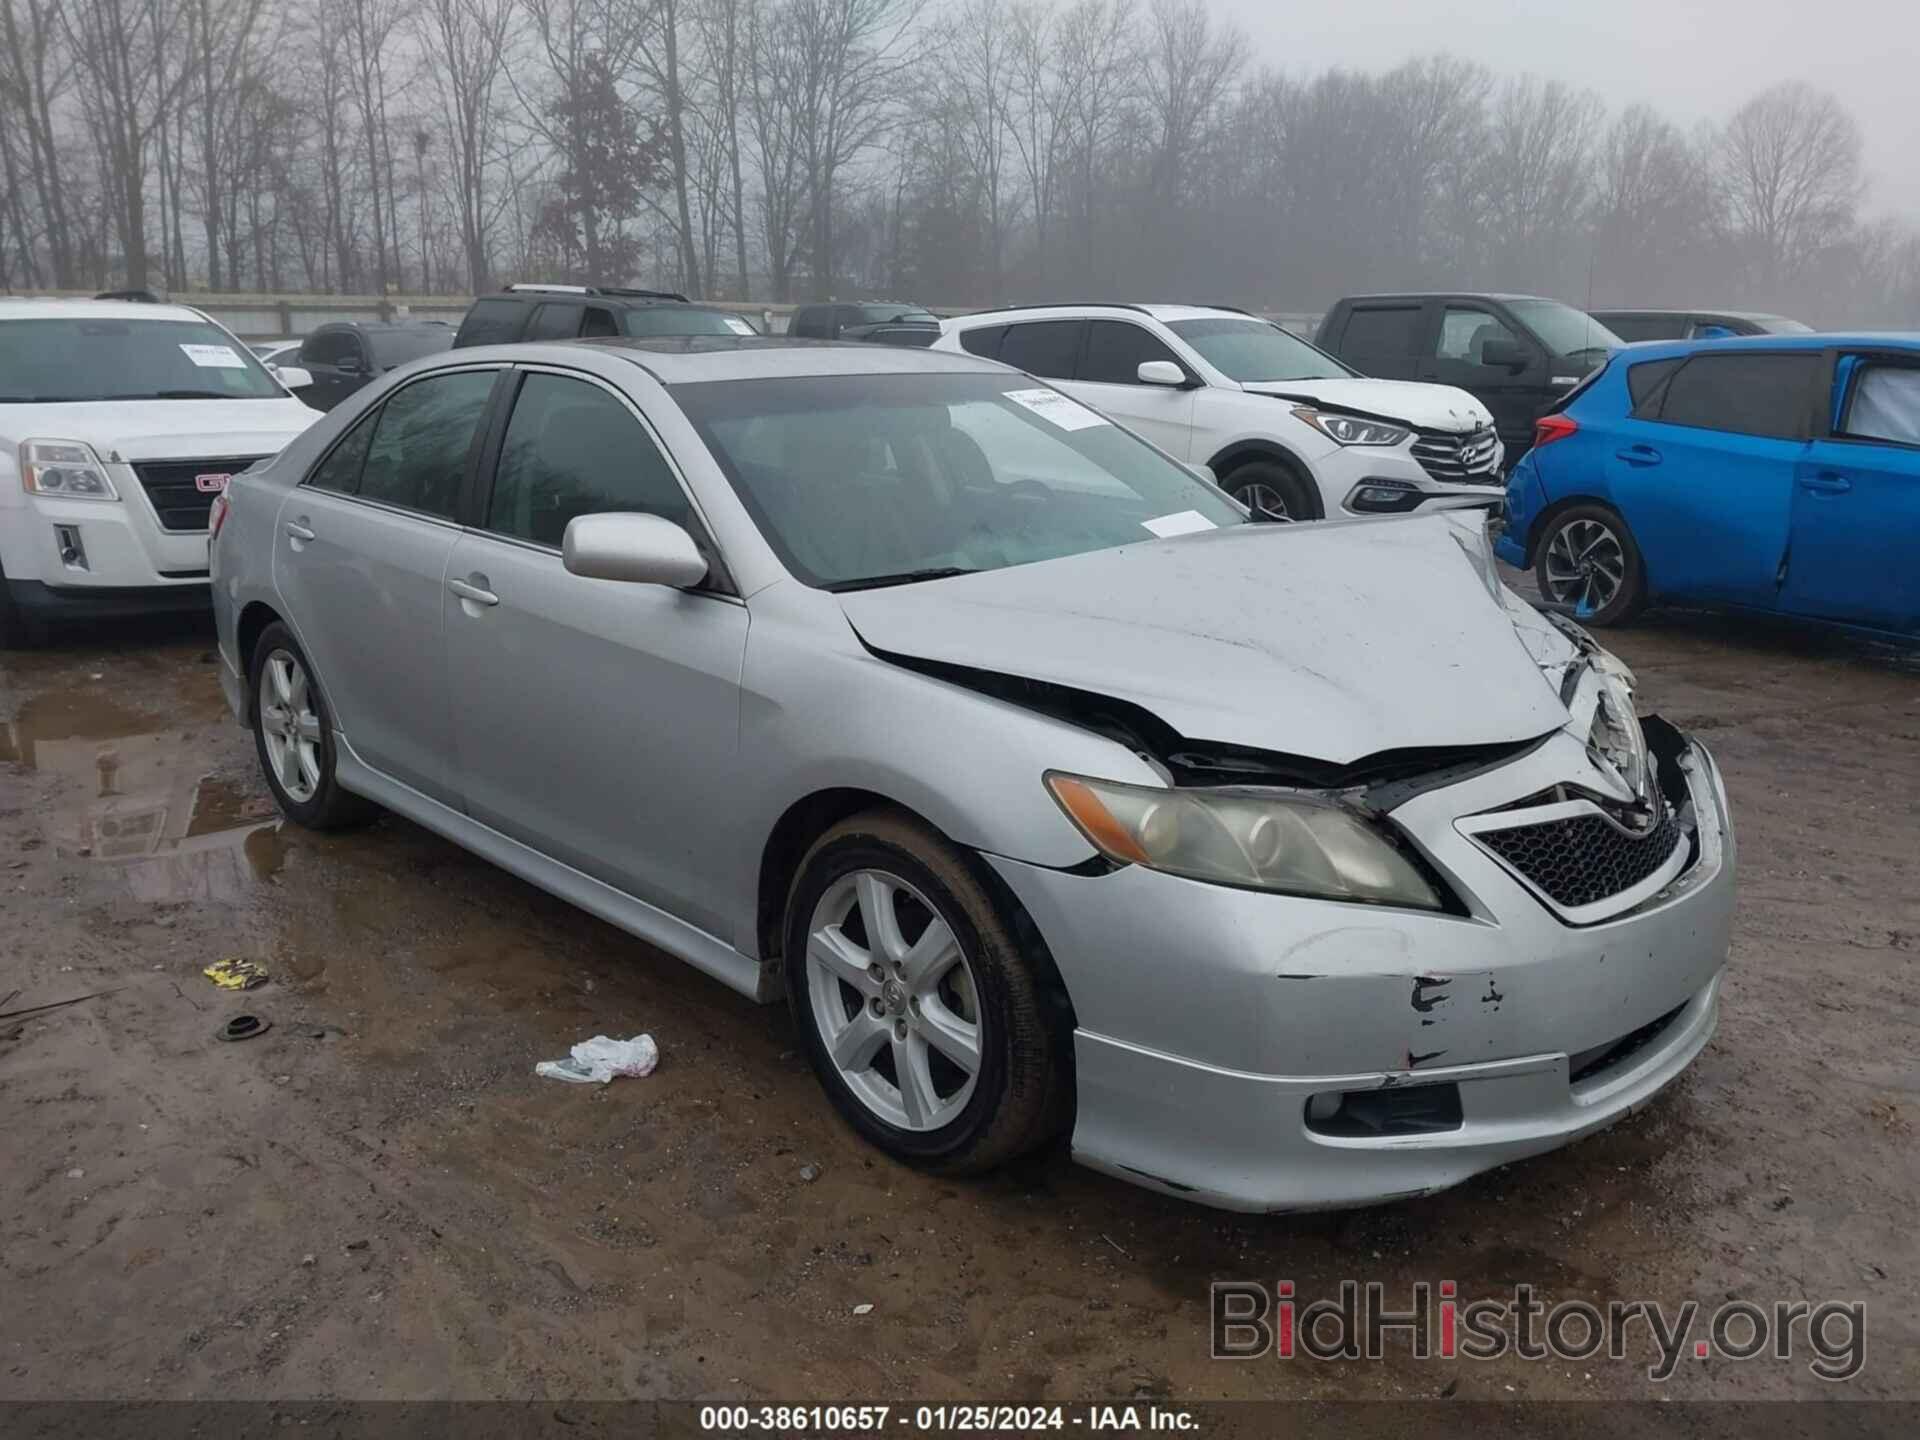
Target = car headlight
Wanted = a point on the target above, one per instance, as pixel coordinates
(1294, 844)
(1351, 429)
(64, 470)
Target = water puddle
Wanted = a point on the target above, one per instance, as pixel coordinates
(142, 799)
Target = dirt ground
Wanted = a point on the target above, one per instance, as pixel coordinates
(377, 1198)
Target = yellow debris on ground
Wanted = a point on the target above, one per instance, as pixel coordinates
(235, 974)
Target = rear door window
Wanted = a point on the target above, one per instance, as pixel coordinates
(1386, 330)
(1643, 382)
(421, 441)
(1647, 327)
(329, 347)
(1744, 394)
(1116, 349)
(599, 321)
(492, 322)
(340, 471)
(556, 322)
(1043, 347)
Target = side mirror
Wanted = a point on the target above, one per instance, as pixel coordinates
(639, 549)
(1505, 355)
(292, 376)
(1161, 372)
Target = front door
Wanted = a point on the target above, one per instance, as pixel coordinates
(1456, 349)
(1108, 379)
(1856, 500)
(595, 721)
(361, 558)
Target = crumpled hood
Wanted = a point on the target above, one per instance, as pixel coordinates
(173, 429)
(1333, 641)
(1429, 407)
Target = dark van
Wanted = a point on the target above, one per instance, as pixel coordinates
(1516, 354)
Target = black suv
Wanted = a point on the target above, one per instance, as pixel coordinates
(1635, 325)
(346, 354)
(571, 312)
(881, 322)
(1516, 354)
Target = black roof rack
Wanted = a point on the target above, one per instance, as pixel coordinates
(620, 292)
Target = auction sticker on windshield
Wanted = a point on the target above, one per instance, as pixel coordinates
(739, 326)
(1056, 409)
(214, 357)
(1181, 522)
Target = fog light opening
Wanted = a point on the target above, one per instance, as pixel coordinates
(1380, 1114)
(1383, 497)
(73, 554)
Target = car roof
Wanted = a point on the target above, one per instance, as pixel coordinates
(1702, 312)
(1442, 295)
(96, 309)
(1861, 340)
(1071, 310)
(694, 359)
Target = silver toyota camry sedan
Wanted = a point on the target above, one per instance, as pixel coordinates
(1277, 866)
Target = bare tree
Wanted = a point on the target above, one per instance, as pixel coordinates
(35, 71)
(1788, 164)
(469, 41)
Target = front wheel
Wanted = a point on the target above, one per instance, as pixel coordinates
(1273, 490)
(919, 1013)
(1589, 563)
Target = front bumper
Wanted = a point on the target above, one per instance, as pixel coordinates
(1209, 1016)
(106, 602)
(1355, 480)
(117, 546)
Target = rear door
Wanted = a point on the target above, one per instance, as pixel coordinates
(1856, 498)
(595, 721)
(361, 559)
(1704, 472)
(1108, 378)
(1380, 338)
(338, 364)
(1457, 336)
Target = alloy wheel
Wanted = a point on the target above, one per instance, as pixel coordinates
(1585, 566)
(290, 725)
(894, 999)
(1263, 500)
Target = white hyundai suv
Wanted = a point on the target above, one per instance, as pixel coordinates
(119, 423)
(1287, 429)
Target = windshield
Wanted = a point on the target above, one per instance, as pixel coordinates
(1252, 351)
(657, 320)
(891, 314)
(108, 358)
(1565, 330)
(864, 480)
(1780, 325)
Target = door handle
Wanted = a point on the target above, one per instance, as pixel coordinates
(1826, 482)
(297, 530)
(1638, 455)
(474, 593)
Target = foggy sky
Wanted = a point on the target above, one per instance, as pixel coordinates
(1691, 59)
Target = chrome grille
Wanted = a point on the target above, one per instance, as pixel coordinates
(1460, 459)
(173, 487)
(1583, 859)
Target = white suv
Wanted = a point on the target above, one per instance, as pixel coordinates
(119, 424)
(1286, 429)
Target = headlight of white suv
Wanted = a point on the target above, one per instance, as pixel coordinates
(64, 470)
(1293, 844)
(1351, 429)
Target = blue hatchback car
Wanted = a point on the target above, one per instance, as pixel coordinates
(1778, 473)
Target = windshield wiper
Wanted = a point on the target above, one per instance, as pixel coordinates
(904, 577)
(188, 395)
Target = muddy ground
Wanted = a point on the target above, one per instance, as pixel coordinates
(377, 1198)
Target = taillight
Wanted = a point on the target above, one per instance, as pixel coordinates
(217, 517)
(1549, 428)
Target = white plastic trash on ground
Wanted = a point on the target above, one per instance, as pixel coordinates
(597, 1061)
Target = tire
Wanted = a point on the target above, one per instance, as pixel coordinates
(1588, 561)
(17, 630)
(949, 1121)
(1263, 485)
(293, 732)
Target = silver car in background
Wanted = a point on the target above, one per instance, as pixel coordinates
(1281, 867)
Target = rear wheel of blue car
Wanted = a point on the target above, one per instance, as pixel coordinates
(1587, 562)
(918, 1011)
